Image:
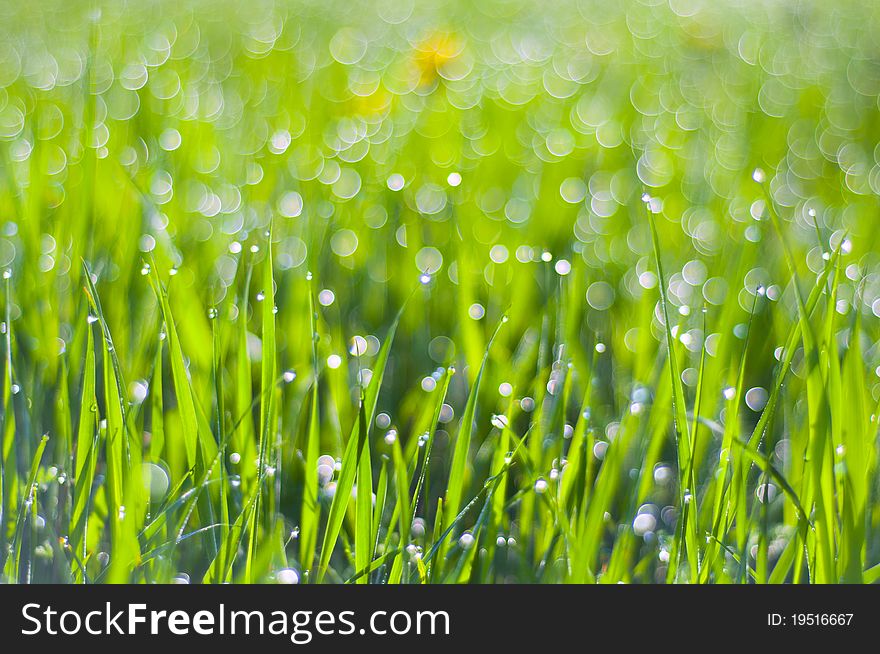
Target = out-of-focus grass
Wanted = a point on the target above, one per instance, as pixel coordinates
(439, 292)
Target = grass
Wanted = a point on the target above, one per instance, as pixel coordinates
(441, 293)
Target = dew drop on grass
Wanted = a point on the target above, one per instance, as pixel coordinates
(287, 576)
(466, 540)
(326, 297)
(766, 493)
(334, 361)
(505, 389)
(644, 523)
(476, 311)
(92, 319)
(499, 421)
(600, 347)
(562, 267)
(396, 182)
(756, 398)
(235, 458)
(729, 392)
(758, 175)
(288, 376)
(357, 346)
(541, 486)
(447, 413)
(391, 437)
(425, 279)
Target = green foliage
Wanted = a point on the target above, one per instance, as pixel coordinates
(439, 292)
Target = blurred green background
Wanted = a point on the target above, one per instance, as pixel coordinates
(483, 159)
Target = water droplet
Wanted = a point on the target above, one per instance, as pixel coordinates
(600, 347)
(499, 421)
(729, 392)
(212, 313)
(466, 540)
(146, 269)
(287, 576)
(766, 492)
(235, 458)
(391, 437)
(562, 267)
(7, 274)
(756, 398)
(326, 297)
(92, 319)
(425, 279)
(541, 486)
(15, 388)
(261, 296)
(644, 523)
(288, 376)
(758, 175)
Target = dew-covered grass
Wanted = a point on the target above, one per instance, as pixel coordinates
(435, 292)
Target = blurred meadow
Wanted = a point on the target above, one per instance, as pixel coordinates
(304, 292)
